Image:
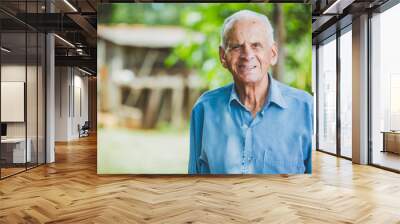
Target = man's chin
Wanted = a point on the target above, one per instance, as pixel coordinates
(250, 78)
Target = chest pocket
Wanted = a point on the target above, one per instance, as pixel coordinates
(281, 163)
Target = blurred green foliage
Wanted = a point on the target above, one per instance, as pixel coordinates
(207, 18)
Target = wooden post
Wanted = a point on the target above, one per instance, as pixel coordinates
(278, 69)
(114, 92)
(177, 102)
(150, 115)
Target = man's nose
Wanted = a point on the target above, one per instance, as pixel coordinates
(246, 52)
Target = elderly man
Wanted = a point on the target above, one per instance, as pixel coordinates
(255, 125)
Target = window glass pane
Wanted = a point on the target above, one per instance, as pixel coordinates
(23, 88)
(386, 89)
(327, 96)
(346, 94)
(314, 79)
(31, 97)
(14, 149)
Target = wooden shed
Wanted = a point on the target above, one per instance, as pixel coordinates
(136, 88)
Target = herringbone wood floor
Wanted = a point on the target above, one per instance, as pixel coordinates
(70, 191)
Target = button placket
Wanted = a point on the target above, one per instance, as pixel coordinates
(246, 132)
(245, 157)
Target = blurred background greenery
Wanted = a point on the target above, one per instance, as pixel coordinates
(291, 21)
(145, 88)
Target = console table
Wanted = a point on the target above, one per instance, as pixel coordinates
(391, 141)
(17, 150)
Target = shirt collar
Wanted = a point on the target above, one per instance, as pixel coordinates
(274, 95)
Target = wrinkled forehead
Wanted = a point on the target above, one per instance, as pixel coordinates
(246, 29)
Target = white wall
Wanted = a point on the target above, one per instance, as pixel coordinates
(81, 82)
(11, 73)
(14, 73)
(70, 83)
(62, 81)
(80, 105)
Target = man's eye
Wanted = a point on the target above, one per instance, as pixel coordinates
(256, 45)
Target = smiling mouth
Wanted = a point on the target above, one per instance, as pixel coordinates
(247, 67)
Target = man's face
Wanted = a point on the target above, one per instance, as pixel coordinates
(247, 54)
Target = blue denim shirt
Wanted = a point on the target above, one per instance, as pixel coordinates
(226, 139)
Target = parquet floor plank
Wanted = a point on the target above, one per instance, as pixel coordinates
(70, 191)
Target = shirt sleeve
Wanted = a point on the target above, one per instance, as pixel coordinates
(308, 163)
(308, 160)
(195, 143)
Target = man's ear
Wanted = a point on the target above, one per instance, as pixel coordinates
(222, 56)
(274, 55)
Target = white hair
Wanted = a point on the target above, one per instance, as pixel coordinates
(245, 14)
